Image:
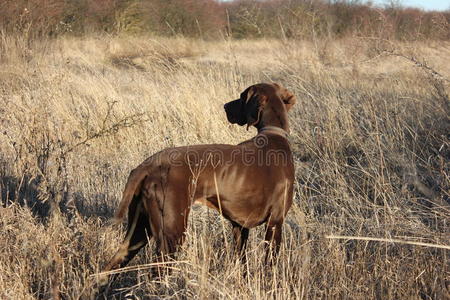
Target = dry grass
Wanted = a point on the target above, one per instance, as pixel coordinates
(369, 132)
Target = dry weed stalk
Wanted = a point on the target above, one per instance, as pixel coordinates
(371, 149)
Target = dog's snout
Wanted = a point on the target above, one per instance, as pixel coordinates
(234, 112)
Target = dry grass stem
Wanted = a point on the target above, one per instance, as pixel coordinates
(370, 137)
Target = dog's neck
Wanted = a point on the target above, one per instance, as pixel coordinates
(274, 130)
(274, 115)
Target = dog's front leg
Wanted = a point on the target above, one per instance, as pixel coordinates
(273, 240)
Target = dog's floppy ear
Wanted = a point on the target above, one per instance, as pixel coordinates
(286, 96)
(288, 99)
(254, 104)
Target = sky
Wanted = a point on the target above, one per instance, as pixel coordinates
(439, 5)
(424, 4)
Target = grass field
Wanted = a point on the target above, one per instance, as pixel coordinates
(370, 134)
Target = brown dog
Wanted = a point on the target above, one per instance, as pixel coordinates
(249, 184)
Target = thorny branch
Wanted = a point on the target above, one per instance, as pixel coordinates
(105, 130)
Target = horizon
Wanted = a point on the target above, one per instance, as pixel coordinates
(430, 5)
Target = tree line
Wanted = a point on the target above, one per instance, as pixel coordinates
(210, 19)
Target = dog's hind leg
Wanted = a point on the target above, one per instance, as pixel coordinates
(168, 221)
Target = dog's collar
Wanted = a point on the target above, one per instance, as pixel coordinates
(274, 130)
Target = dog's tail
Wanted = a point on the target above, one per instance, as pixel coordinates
(132, 189)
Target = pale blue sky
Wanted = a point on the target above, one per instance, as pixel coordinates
(424, 4)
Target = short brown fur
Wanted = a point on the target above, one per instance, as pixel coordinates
(243, 182)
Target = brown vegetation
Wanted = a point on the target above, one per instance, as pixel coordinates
(369, 134)
(299, 19)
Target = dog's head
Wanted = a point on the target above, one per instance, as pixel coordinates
(261, 105)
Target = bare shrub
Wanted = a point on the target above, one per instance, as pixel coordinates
(371, 150)
(210, 19)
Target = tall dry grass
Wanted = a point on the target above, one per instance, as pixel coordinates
(370, 133)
